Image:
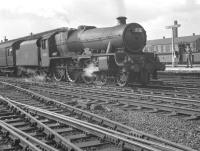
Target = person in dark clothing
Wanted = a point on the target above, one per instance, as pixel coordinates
(188, 56)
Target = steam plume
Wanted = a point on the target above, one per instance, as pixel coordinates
(33, 76)
(121, 9)
(90, 69)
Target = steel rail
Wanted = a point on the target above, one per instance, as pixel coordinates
(151, 143)
(108, 133)
(66, 143)
(132, 95)
(74, 123)
(161, 86)
(23, 137)
(141, 102)
(125, 94)
(101, 120)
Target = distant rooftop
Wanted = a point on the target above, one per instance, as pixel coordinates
(165, 41)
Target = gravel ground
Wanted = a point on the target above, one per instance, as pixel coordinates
(174, 129)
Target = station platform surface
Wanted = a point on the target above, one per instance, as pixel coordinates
(182, 69)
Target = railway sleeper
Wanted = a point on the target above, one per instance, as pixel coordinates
(86, 142)
(23, 126)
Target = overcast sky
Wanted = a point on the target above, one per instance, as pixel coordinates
(21, 17)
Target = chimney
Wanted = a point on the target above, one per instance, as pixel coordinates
(193, 34)
(175, 29)
(5, 39)
(121, 20)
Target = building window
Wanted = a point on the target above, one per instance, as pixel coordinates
(159, 49)
(168, 48)
(149, 49)
(164, 48)
(155, 49)
(193, 47)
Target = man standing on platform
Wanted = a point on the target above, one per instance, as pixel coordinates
(188, 56)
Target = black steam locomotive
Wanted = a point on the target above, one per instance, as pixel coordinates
(88, 53)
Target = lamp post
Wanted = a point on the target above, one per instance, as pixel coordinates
(174, 34)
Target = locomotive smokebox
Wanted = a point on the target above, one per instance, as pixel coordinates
(121, 20)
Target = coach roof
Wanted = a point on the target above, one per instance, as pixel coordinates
(9, 43)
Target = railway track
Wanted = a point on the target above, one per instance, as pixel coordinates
(169, 84)
(10, 139)
(66, 133)
(190, 81)
(170, 104)
(153, 89)
(32, 129)
(55, 107)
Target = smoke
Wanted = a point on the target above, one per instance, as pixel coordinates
(63, 16)
(36, 78)
(188, 7)
(121, 8)
(32, 75)
(90, 69)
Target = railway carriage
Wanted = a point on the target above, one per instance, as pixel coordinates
(8, 56)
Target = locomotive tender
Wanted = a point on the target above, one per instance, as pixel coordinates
(87, 53)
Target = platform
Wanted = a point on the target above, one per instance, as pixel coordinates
(182, 69)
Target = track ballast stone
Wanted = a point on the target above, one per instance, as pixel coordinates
(170, 128)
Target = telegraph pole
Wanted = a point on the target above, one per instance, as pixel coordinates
(174, 34)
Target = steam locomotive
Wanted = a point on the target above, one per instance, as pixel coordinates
(87, 53)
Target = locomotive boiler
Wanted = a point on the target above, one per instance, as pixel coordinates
(91, 54)
(130, 37)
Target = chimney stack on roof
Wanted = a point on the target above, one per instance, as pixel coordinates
(5, 39)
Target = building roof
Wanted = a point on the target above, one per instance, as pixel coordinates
(185, 39)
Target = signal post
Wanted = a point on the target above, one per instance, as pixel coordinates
(174, 35)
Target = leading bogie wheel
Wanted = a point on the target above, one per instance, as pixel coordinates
(88, 79)
(122, 79)
(102, 78)
(72, 74)
(58, 74)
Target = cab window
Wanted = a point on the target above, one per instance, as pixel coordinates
(10, 51)
(44, 44)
